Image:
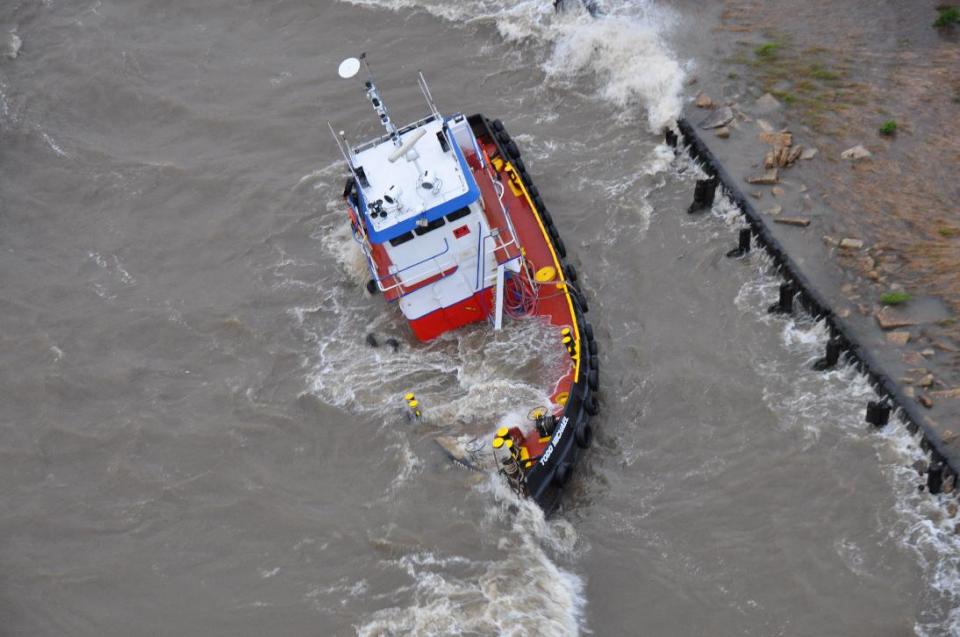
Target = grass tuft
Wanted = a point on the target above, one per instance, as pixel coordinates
(767, 50)
(948, 232)
(819, 72)
(787, 98)
(888, 128)
(895, 298)
(947, 17)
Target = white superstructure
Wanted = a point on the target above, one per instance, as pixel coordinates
(418, 198)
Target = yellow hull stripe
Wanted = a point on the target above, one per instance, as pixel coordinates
(517, 184)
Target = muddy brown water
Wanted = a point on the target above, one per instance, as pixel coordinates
(195, 438)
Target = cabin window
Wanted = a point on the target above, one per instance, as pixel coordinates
(401, 239)
(442, 138)
(362, 176)
(458, 214)
(433, 225)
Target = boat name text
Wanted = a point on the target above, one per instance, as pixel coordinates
(556, 438)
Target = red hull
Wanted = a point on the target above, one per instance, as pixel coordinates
(470, 310)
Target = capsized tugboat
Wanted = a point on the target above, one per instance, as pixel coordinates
(454, 232)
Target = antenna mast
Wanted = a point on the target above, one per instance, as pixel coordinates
(381, 109)
(422, 81)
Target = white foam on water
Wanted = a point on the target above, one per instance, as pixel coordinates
(626, 53)
(521, 592)
(12, 45)
(814, 401)
(623, 52)
(344, 590)
(313, 177)
(114, 266)
(410, 464)
(53, 145)
(660, 160)
(5, 115)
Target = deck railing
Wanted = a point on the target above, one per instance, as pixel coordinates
(432, 267)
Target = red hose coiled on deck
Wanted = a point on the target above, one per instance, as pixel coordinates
(521, 295)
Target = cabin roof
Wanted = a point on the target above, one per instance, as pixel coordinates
(396, 196)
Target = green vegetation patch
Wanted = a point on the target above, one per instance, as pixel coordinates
(888, 128)
(768, 50)
(787, 98)
(947, 17)
(948, 232)
(819, 72)
(895, 298)
(813, 81)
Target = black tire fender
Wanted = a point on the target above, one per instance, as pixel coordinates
(588, 332)
(592, 348)
(521, 168)
(512, 150)
(592, 406)
(593, 379)
(561, 250)
(545, 216)
(584, 435)
(562, 475)
(497, 126)
(581, 300)
(571, 273)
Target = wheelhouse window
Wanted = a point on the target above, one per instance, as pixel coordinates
(401, 239)
(458, 214)
(433, 225)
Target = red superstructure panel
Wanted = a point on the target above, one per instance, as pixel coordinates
(470, 310)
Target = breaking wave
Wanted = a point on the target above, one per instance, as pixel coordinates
(11, 45)
(623, 52)
(520, 592)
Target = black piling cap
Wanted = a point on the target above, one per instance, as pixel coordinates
(372, 340)
(878, 413)
(670, 137)
(784, 304)
(935, 478)
(831, 357)
(743, 245)
(703, 195)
